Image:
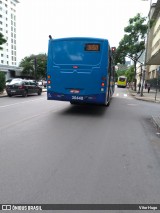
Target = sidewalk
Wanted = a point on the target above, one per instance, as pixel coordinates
(4, 94)
(146, 96)
(151, 98)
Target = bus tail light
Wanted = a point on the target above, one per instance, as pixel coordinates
(48, 76)
(102, 84)
(49, 82)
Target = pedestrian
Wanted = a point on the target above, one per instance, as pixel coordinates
(145, 86)
(139, 85)
(148, 87)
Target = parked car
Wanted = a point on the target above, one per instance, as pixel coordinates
(12, 80)
(23, 87)
(42, 83)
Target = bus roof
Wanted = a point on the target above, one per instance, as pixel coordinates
(79, 38)
(122, 76)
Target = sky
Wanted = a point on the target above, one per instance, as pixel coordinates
(37, 19)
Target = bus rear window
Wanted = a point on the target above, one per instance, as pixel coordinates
(76, 52)
(122, 79)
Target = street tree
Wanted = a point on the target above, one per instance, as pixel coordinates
(2, 41)
(2, 81)
(129, 73)
(132, 45)
(34, 66)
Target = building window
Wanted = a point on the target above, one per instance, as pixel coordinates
(2, 61)
(1, 55)
(1, 22)
(0, 16)
(6, 5)
(1, 29)
(7, 62)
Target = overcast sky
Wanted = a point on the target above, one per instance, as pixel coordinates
(37, 19)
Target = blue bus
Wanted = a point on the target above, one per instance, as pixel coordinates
(80, 70)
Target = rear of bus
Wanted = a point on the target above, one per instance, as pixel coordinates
(122, 81)
(77, 70)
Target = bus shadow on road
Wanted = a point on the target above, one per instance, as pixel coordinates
(86, 110)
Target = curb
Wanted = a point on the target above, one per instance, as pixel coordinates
(148, 100)
(143, 98)
(156, 122)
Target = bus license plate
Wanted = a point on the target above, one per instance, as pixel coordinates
(77, 98)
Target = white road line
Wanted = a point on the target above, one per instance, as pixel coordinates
(22, 102)
(51, 110)
(132, 104)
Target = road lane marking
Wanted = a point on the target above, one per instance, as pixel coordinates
(21, 102)
(132, 104)
(57, 108)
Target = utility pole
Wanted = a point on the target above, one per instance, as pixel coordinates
(142, 84)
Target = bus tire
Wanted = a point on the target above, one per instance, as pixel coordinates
(71, 102)
(107, 105)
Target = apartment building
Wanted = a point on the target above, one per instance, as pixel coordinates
(8, 56)
(153, 43)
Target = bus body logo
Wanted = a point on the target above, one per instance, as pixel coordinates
(74, 91)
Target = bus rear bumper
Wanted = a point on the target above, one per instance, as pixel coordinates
(94, 98)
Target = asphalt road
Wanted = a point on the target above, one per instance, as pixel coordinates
(53, 152)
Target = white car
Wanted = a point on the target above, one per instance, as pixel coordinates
(12, 80)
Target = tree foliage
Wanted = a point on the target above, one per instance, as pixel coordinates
(120, 72)
(132, 45)
(2, 40)
(34, 66)
(129, 73)
(2, 81)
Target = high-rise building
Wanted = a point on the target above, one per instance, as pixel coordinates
(8, 56)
